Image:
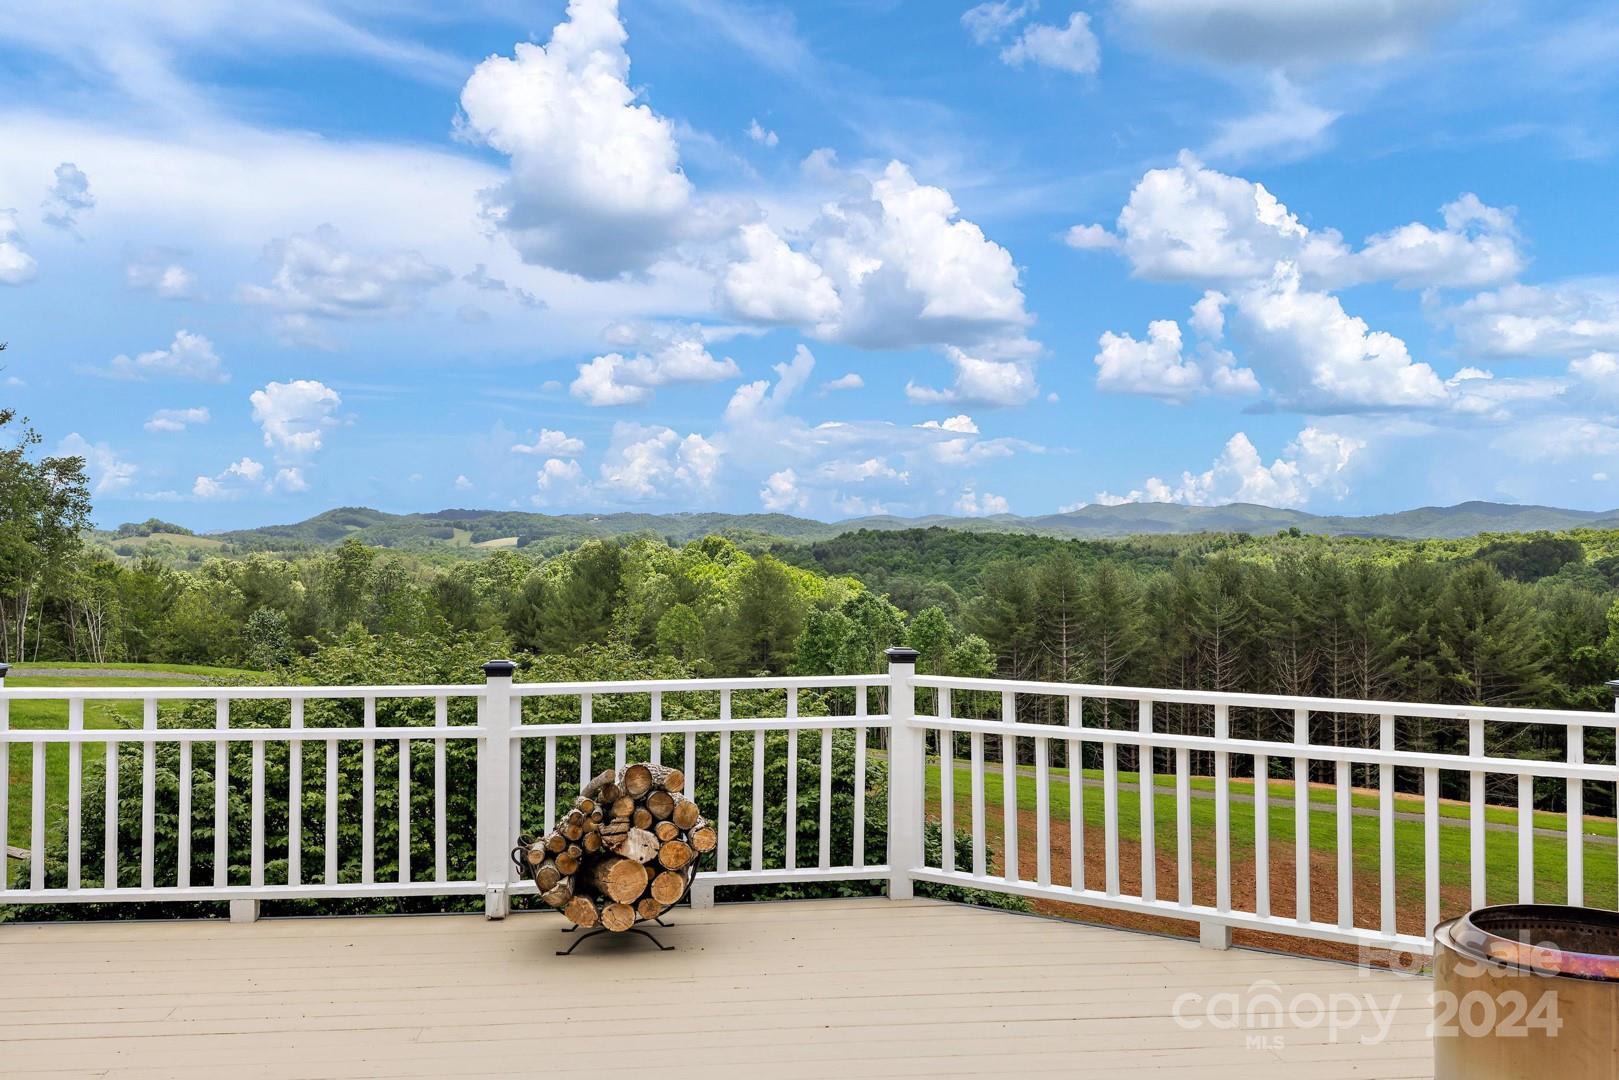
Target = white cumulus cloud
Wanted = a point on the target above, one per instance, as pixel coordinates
(317, 276)
(188, 356)
(160, 273)
(176, 419)
(615, 379)
(643, 462)
(595, 186)
(891, 264)
(975, 504)
(1315, 462)
(1072, 48)
(68, 198)
(296, 415)
(17, 266)
(109, 472)
(551, 443)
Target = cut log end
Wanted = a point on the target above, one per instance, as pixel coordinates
(581, 911)
(637, 780)
(660, 804)
(675, 855)
(617, 917)
(668, 887)
(686, 814)
(617, 878)
(703, 838)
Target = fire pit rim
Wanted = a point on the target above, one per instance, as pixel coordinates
(1472, 935)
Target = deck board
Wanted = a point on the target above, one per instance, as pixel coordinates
(808, 989)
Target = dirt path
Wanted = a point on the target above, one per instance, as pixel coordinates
(1366, 901)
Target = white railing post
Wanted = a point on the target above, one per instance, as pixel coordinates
(494, 787)
(906, 754)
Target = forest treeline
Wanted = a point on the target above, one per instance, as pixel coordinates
(1507, 620)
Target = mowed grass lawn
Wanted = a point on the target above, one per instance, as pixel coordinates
(98, 715)
(1501, 847)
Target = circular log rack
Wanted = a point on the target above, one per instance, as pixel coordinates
(624, 854)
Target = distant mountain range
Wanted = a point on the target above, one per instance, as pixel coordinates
(499, 528)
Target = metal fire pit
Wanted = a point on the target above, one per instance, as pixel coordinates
(1527, 991)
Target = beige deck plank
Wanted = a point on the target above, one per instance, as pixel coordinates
(852, 988)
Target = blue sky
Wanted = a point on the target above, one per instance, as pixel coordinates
(830, 259)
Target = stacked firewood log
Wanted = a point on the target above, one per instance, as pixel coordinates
(626, 851)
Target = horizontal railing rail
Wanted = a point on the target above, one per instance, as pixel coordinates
(1220, 808)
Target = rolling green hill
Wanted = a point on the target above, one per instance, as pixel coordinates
(470, 531)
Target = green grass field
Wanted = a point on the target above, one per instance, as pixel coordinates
(98, 715)
(1501, 847)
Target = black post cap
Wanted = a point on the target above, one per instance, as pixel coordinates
(901, 655)
(4, 667)
(499, 669)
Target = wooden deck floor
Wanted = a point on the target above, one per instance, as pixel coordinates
(815, 989)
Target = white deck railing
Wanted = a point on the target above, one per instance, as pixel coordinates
(505, 745)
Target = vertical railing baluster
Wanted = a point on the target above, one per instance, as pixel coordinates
(586, 766)
(691, 764)
(1576, 817)
(148, 792)
(1430, 850)
(1076, 796)
(182, 870)
(1009, 849)
(791, 825)
(368, 795)
(1346, 854)
(860, 707)
(75, 793)
(1262, 835)
(1475, 813)
(514, 778)
(1042, 811)
(1302, 913)
(404, 811)
(221, 795)
(550, 782)
(1385, 826)
(1110, 815)
(331, 839)
(1526, 838)
(947, 783)
(256, 828)
(1222, 809)
(1149, 795)
(1183, 826)
(980, 852)
(825, 803)
(722, 852)
(655, 738)
(109, 872)
(756, 839)
(295, 792)
(441, 719)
